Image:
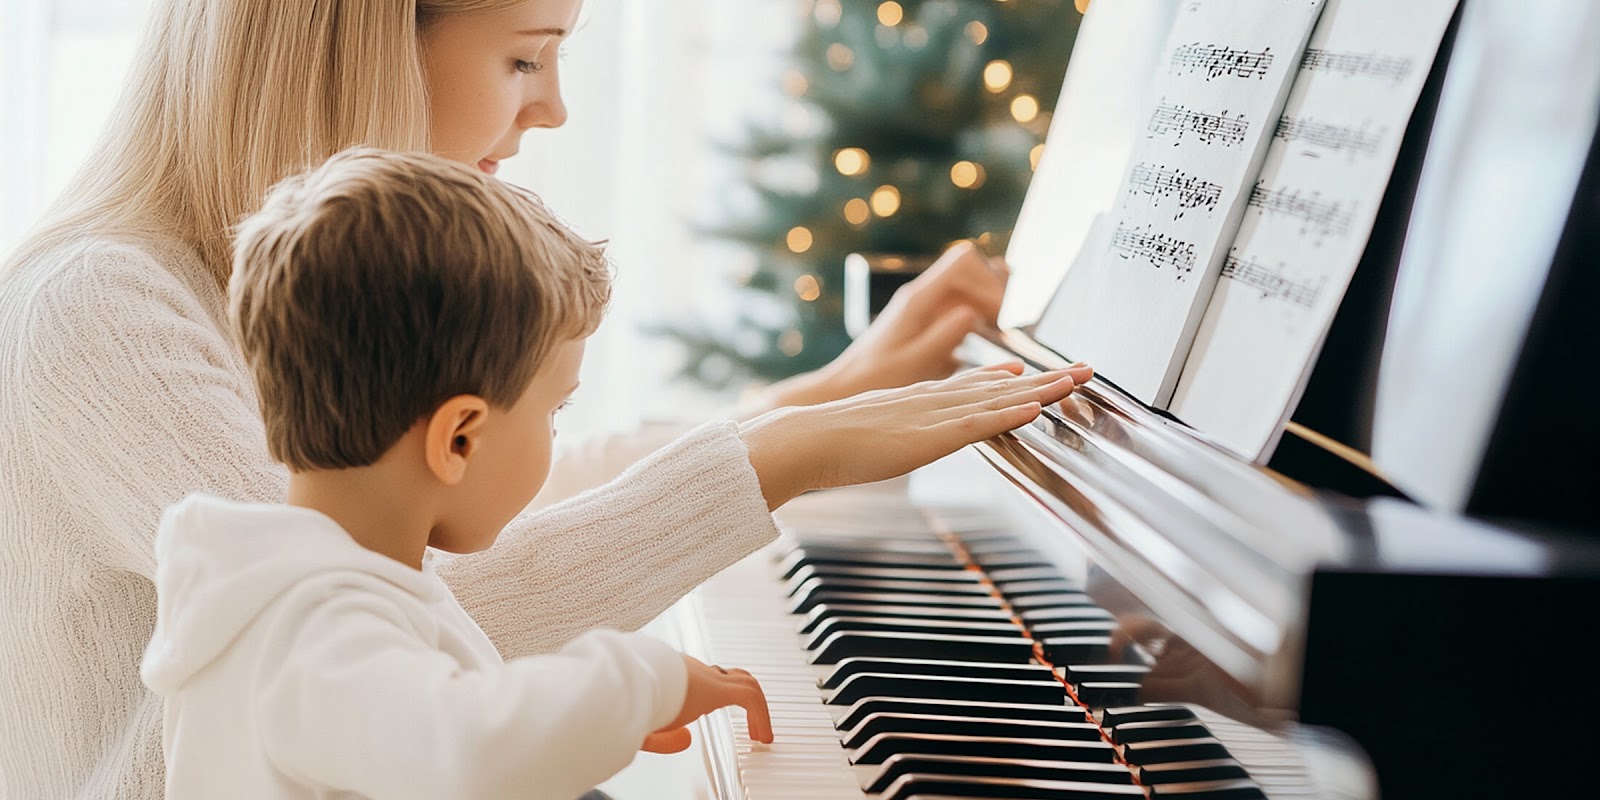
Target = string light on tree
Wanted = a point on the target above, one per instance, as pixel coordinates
(857, 212)
(997, 76)
(1033, 156)
(799, 239)
(791, 342)
(840, 57)
(795, 83)
(967, 175)
(885, 201)
(1024, 108)
(977, 32)
(828, 13)
(808, 288)
(852, 162)
(890, 13)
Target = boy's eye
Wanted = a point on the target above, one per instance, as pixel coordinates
(528, 67)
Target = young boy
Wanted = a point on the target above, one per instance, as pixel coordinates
(413, 327)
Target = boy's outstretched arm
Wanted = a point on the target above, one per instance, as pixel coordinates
(882, 434)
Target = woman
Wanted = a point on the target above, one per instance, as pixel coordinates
(120, 392)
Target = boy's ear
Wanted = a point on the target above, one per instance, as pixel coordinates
(452, 436)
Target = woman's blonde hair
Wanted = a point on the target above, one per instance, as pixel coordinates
(227, 97)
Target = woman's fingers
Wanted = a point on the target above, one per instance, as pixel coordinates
(675, 740)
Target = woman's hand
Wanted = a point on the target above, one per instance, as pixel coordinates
(881, 434)
(916, 335)
(709, 689)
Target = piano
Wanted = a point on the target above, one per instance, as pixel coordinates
(1130, 611)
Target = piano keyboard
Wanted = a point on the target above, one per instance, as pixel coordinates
(925, 667)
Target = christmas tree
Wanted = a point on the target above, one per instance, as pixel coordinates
(916, 123)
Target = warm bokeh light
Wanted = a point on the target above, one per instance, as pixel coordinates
(799, 239)
(885, 200)
(791, 342)
(977, 32)
(1034, 155)
(967, 175)
(997, 76)
(857, 212)
(840, 57)
(851, 161)
(795, 83)
(828, 13)
(807, 288)
(890, 13)
(1024, 108)
(1081, 5)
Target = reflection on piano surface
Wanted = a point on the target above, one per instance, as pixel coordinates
(1158, 619)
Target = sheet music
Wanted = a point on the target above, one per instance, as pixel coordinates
(1087, 148)
(1132, 308)
(1308, 217)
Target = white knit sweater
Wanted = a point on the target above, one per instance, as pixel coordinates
(120, 393)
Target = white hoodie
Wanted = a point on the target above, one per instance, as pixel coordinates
(294, 663)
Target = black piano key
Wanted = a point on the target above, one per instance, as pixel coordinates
(909, 625)
(816, 615)
(1010, 574)
(885, 746)
(1064, 612)
(1046, 712)
(888, 587)
(1210, 790)
(1165, 750)
(878, 684)
(803, 604)
(893, 644)
(795, 560)
(1048, 586)
(911, 763)
(1155, 730)
(1026, 603)
(1112, 717)
(875, 724)
(1075, 627)
(1132, 673)
(829, 572)
(1216, 769)
(929, 666)
(1099, 694)
(922, 785)
(1077, 649)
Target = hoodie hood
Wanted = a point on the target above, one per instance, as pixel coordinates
(219, 564)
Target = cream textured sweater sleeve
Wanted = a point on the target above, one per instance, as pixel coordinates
(120, 393)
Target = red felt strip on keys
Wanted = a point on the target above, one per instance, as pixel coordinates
(971, 564)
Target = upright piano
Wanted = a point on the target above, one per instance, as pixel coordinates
(1104, 604)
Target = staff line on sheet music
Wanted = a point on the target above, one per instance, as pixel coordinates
(1178, 120)
(1367, 65)
(1321, 217)
(1159, 183)
(1217, 61)
(1326, 135)
(1159, 249)
(1270, 282)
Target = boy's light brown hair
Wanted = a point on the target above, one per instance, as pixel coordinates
(370, 290)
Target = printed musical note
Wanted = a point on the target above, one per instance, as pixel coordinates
(1178, 119)
(1159, 249)
(1367, 65)
(1322, 217)
(1338, 138)
(1217, 61)
(1159, 183)
(1271, 282)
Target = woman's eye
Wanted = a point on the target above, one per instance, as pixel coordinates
(528, 67)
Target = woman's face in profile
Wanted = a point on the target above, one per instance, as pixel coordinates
(493, 75)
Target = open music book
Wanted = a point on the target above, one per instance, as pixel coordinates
(1263, 147)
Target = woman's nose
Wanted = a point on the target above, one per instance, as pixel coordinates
(547, 110)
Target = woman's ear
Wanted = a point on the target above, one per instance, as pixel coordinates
(452, 436)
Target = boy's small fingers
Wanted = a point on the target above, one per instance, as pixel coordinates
(757, 713)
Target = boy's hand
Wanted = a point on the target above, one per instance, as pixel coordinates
(878, 435)
(711, 688)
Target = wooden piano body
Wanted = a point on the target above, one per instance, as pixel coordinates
(1224, 631)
